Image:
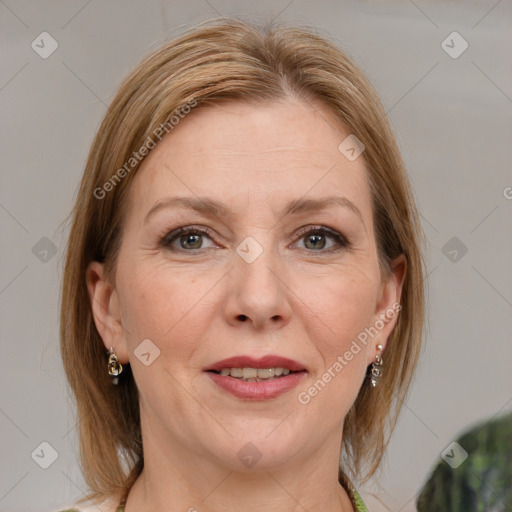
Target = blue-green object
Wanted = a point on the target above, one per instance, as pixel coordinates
(483, 481)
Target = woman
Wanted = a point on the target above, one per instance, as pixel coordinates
(243, 292)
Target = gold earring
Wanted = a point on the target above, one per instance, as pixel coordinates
(114, 366)
(376, 368)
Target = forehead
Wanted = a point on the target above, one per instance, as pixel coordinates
(242, 154)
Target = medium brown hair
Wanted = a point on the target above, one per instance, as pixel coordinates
(225, 60)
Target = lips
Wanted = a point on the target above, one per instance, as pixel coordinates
(269, 361)
(257, 389)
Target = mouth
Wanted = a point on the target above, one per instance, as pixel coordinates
(255, 374)
(256, 379)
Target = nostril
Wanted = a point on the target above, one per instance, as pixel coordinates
(243, 318)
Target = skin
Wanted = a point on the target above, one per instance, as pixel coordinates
(298, 300)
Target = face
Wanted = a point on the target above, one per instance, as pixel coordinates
(248, 235)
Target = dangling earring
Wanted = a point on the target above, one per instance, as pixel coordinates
(114, 366)
(376, 368)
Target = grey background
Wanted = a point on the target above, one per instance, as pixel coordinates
(452, 118)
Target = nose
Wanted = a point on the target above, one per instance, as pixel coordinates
(258, 295)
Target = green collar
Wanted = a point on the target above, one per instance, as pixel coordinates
(358, 502)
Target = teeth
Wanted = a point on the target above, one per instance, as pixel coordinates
(236, 372)
(265, 373)
(249, 373)
(255, 374)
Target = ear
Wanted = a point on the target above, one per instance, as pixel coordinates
(105, 310)
(388, 306)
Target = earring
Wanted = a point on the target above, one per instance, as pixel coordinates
(376, 368)
(114, 366)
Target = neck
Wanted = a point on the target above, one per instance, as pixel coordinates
(178, 479)
(268, 491)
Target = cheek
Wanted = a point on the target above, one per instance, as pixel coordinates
(343, 308)
(165, 305)
(343, 303)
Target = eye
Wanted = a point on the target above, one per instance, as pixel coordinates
(316, 239)
(187, 238)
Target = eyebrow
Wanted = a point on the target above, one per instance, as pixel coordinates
(211, 207)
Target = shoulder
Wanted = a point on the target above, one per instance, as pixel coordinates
(78, 509)
(106, 506)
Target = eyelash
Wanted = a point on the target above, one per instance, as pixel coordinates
(340, 240)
